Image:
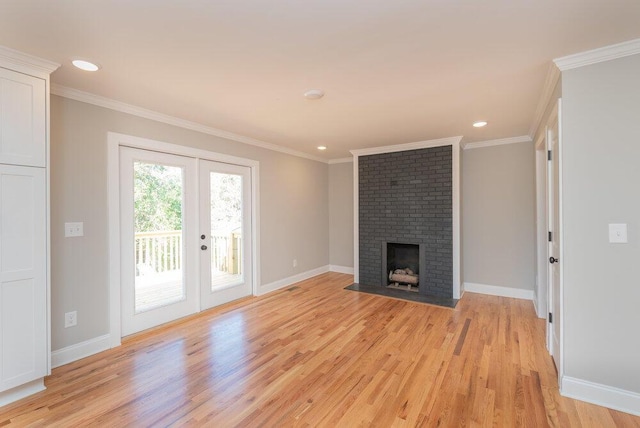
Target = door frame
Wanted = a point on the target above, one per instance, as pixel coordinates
(114, 142)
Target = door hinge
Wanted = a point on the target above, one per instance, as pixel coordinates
(548, 154)
(550, 318)
(550, 236)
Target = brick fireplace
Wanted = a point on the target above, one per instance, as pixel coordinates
(408, 197)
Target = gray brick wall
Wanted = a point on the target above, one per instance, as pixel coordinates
(405, 197)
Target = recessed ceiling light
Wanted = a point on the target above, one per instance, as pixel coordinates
(85, 65)
(314, 94)
(322, 147)
(479, 124)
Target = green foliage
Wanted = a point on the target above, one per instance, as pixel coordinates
(157, 197)
(226, 202)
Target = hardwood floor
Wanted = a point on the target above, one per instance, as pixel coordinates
(317, 355)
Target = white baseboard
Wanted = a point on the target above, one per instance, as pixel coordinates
(22, 391)
(602, 395)
(341, 269)
(80, 350)
(496, 290)
(284, 282)
(534, 298)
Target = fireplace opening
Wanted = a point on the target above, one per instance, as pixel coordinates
(403, 266)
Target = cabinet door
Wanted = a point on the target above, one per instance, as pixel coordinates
(23, 288)
(22, 119)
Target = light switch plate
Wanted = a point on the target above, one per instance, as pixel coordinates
(618, 233)
(73, 230)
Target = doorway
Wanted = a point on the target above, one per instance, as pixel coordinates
(182, 229)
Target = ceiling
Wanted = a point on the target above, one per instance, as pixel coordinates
(393, 71)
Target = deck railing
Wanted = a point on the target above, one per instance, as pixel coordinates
(158, 252)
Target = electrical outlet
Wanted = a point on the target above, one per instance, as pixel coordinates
(295, 263)
(72, 230)
(70, 319)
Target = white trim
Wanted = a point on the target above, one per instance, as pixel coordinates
(341, 160)
(455, 216)
(553, 76)
(22, 391)
(28, 64)
(114, 141)
(449, 141)
(560, 227)
(499, 142)
(341, 269)
(100, 101)
(284, 282)
(601, 395)
(80, 350)
(356, 222)
(497, 290)
(113, 211)
(594, 56)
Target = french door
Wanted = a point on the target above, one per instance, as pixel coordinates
(173, 263)
(225, 233)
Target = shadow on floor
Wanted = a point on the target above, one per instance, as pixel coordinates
(404, 295)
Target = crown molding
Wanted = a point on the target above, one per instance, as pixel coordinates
(553, 76)
(500, 142)
(26, 63)
(607, 53)
(121, 107)
(340, 160)
(449, 141)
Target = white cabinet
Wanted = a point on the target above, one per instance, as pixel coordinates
(22, 119)
(24, 230)
(23, 282)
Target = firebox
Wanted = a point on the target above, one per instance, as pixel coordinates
(401, 266)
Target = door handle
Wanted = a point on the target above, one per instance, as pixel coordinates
(553, 260)
(204, 247)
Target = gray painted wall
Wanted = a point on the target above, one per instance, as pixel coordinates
(475, 196)
(498, 215)
(294, 209)
(341, 214)
(601, 173)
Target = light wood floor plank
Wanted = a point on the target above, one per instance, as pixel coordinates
(318, 355)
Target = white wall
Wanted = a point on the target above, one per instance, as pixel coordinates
(498, 216)
(601, 174)
(341, 214)
(294, 209)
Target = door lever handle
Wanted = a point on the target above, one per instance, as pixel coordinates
(553, 260)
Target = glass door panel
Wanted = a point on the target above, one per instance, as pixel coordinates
(157, 209)
(226, 230)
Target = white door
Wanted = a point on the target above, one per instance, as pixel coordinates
(225, 233)
(23, 283)
(555, 284)
(158, 218)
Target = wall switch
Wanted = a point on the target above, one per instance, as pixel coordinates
(70, 319)
(618, 233)
(72, 230)
(295, 262)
